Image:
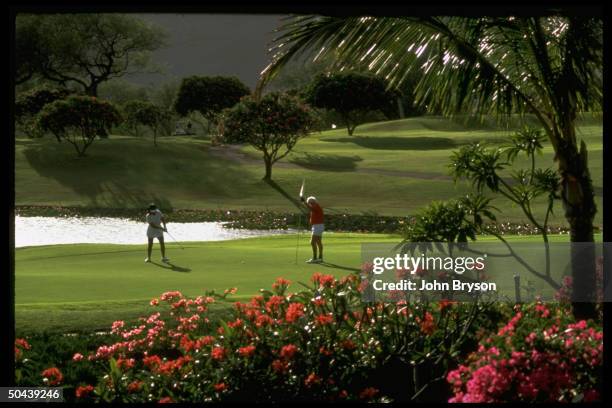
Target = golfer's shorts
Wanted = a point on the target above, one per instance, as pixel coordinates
(317, 229)
(154, 233)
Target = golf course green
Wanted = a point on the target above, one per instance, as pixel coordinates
(88, 286)
(387, 168)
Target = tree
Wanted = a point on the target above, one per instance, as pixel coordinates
(209, 96)
(78, 120)
(85, 49)
(164, 95)
(272, 125)
(546, 66)
(145, 114)
(118, 91)
(28, 104)
(351, 95)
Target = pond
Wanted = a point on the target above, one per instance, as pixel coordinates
(33, 231)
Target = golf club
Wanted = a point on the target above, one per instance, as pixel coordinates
(174, 239)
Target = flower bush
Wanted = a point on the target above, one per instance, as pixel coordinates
(540, 355)
(324, 343)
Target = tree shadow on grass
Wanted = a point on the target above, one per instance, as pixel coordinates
(327, 162)
(129, 174)
(172, 267)
(399, 143)
(293, 200)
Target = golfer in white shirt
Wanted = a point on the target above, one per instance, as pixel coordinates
(155, 218)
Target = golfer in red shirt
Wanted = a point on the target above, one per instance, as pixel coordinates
(316, 221)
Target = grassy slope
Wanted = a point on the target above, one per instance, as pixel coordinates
(88, 286)
(392, 167)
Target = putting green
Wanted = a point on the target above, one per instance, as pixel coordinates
(88, 286)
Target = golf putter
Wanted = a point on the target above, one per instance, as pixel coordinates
(174, 239)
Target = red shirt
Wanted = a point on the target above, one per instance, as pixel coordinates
(316, 214)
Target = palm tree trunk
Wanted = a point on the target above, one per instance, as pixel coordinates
(579, 204)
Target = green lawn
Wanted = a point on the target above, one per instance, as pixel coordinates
(88, 286)
(390, 168)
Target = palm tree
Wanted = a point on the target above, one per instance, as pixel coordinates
(550, 67)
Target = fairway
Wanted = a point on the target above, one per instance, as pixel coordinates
(88, 286)
(387, 168)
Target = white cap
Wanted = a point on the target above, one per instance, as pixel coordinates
(311, 198)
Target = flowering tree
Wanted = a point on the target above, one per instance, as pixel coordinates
(272, 125)
(78, 120)
(28, 104)
(146, 114)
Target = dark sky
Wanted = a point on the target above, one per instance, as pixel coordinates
(212, 44)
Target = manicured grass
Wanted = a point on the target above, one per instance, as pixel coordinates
(88, 286)
(390, 168)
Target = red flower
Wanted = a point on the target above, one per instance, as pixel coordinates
(125, 363)
(152, 361)
(53, 375)
(294, 312)
(247, 351)
(323, 280)
(274, 303)
(281, 283)
(311, 380)
(324, 319)
(83, 391)
(325, 352)
(218, 353)
(236, 323)
(166, 400)
(171, 295)
(23, 344)
(135, 386)
(427, 325)
(203, 341)
(220, 387)
(368, 393)
(349, 345)
(445, 304)
(279, 366)
(263, 320)
(186, 343)
(288, 351)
